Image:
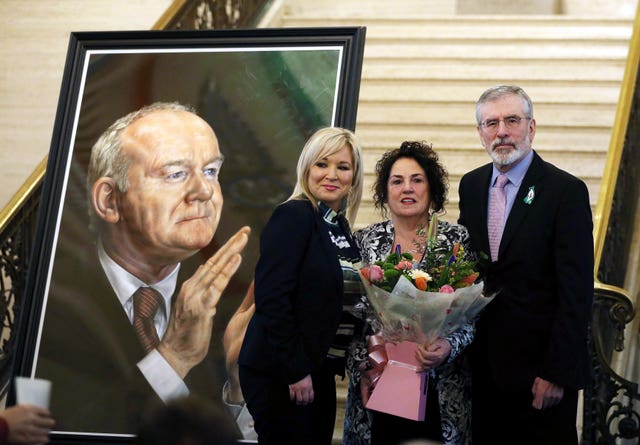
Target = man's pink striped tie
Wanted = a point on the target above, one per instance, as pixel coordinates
(146, 302)
(495, 221)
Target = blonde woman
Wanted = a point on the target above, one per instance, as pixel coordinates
(305, 283)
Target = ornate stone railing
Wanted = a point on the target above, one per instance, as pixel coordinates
(17, 232)
(610, 400)
(213, 14)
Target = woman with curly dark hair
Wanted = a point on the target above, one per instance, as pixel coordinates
(422, 154)
(411, 186)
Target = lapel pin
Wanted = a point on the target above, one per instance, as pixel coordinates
(530, 195)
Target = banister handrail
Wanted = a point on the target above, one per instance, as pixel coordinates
(23, 194)
(616, 145)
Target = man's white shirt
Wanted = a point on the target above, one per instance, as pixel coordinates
(164, 380)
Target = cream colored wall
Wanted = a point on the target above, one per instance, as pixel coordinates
(34, 35)
(595, 8)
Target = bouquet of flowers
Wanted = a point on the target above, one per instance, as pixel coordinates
(417, 302)
(420, 301)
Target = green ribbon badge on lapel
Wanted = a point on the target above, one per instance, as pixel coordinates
(530, 195)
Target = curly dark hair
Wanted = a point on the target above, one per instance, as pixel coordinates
(423, 154)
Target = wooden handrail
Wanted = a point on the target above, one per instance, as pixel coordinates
(23, 194)
(616, 145)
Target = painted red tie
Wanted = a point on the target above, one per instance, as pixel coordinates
(495, 221)
(146, 302)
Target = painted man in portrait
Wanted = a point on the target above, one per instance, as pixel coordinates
(126, 324)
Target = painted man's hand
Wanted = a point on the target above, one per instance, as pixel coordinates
(232, 341)
(186, 341)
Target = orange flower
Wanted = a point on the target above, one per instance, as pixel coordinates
(469, 280)
(421, 283)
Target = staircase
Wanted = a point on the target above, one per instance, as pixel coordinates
(425, 66)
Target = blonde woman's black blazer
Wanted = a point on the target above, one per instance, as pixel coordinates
(298, 295)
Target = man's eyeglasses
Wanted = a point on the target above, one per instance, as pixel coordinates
(511, 122)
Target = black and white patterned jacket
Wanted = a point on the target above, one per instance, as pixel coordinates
(453, 379)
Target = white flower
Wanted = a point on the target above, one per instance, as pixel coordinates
(415, 273)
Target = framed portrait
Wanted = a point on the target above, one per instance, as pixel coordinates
(263, 92)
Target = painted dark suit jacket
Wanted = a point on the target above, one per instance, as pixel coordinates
(298, 294)
(89, 350)
(537, 324)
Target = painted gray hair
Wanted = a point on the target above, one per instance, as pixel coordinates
(106, 154)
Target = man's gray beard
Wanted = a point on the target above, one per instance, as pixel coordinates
(511, 158)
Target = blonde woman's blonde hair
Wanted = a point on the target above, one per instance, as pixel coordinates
(323, 143)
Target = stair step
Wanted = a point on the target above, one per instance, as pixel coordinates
(354, 12)
(390, 90)
(464, 137)
(571, 72)
(478, 50)
(461, 29)
(444, 113)
(380, 8)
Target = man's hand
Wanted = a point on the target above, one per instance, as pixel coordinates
(434, 354)
(232, 341)
(545, 394)
(302, 391)
(186, 341)
(28, 424)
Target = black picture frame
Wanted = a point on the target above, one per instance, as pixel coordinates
(264, 91)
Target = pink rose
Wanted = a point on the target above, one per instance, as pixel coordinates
(375, 273)
(446, 289)
(404, 265)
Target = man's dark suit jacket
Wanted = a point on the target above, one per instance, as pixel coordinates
(298, 295)
(537, 324)
(89, 350)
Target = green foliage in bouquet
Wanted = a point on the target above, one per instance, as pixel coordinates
(450, 269)
(439, 271)
(387, 273)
